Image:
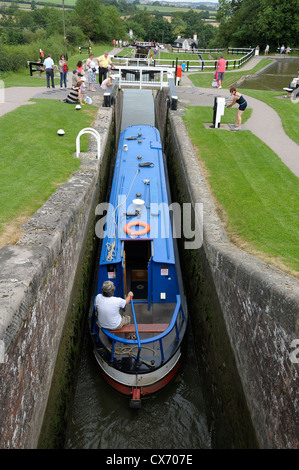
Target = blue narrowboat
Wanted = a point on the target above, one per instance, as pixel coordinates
(138, 253)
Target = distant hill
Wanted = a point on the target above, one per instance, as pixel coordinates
(186, 3)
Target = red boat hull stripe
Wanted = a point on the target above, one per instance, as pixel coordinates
(144, 391)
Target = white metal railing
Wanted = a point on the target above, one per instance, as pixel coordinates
(88, 130)
(125, 61)
(129, 61)
(239, 50)
(170, 64)
(142, 77)
(196, 51)
(199, 64)
(144, 44)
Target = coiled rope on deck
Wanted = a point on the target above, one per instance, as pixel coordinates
(111, 246)
(120, 351)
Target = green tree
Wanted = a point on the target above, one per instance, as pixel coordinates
(11, 9)
(244, 21)
(138, 30)
(160, 30)
(179, 26)
(278, 22)
(225, 15)
(114, 26)
(206, 35)
(74, 35)
(252, 22)
(89, 18)
(178, 30)
(47, 18)
(194, 22)
(140, 24)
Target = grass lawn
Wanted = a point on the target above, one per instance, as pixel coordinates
(126, 52)
(256, 194)
(97, 50)
(178, 55)
(34, 160)
(22, 78)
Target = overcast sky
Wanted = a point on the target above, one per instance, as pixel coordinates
(196, 1)
(191, 1)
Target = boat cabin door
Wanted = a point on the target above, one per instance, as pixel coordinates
(136, 257)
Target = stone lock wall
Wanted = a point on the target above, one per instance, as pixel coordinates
(244, 313)
(36, 291)
(244, 317)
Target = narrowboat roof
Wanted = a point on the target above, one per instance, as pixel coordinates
(138, 195)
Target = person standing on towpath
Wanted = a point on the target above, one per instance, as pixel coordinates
(221, 69)
(238, 98)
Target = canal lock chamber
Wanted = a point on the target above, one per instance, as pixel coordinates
(232, 378)
(228, 417)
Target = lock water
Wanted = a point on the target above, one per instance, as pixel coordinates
(275, 77)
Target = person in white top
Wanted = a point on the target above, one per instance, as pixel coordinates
(91, 72)
(49, 67)
(108, 82)
(108, 307)
(292, 86)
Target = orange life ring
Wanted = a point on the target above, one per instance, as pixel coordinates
(146, 229)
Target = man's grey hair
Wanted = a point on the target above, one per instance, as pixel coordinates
(108, 288)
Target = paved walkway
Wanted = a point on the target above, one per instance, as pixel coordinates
(18, 96)
(12, 98)
(264, 121)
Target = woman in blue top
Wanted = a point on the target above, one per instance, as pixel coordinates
(238, 98)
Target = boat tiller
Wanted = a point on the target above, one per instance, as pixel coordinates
(135, 401)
